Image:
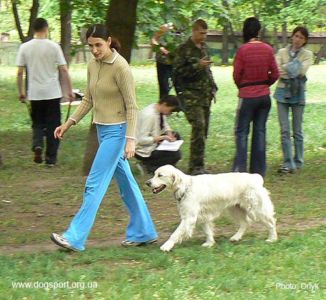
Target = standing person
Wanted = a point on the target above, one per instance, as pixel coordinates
(164, 42)
(111, 94)
(255, 70)
(196, 88)
(152, 129)
(293, 62)
(48, 77)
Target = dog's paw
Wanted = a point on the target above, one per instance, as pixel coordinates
(167, 246)
(235, 238)
(271, 240)
(208, 244)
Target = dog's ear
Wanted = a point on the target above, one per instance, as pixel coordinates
(176, 179)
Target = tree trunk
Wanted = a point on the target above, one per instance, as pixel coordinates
(285, 27)
(275, 41)
(284, 35)
(121, 20)
(17, 21)
(321, 53)
(225, 45)
(65, 20)
(263, 34)
(232, 37)
(90, 151)
(33, 16)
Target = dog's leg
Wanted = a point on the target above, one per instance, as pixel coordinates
(209, 231)
(265, 214)
(270, 223)
(239, 214)
(184, 230)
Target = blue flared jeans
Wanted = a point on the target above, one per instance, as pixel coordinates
(109, 162)
(289, 160)
(255, 111)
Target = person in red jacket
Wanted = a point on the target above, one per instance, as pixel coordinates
(255, 70)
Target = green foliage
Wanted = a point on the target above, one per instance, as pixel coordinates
(153, 13)
(87, 12)
(274, 13)
(304, 12)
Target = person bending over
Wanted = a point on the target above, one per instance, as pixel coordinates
(152, 130)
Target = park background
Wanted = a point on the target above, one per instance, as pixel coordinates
(35, 200)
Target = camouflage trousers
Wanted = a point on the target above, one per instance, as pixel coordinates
(197, 112)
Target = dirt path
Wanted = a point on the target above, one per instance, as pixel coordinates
(285, 226)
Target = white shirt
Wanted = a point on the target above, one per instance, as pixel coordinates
(148, 127)
(41, 57)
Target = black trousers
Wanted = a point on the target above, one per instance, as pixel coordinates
(164, 76)
(46, 116)
(160, 158)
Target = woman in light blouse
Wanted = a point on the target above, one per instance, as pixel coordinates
(293, 62)
(111, 95)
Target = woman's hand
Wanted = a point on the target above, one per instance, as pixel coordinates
(130, 148)
(60, 131)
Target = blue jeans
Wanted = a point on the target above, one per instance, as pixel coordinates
(109, 162)
(290, 161)
(255, 111)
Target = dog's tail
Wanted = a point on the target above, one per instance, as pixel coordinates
(258, 200)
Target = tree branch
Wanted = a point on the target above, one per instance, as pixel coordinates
(32, 18)
(17, 21)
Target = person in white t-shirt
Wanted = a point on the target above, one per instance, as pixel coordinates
(152, 130)
(47, 82)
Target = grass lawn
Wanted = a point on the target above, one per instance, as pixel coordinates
(35, 201)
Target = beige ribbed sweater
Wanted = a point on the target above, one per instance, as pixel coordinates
(111, 93)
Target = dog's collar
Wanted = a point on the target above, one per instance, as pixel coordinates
(179, 196)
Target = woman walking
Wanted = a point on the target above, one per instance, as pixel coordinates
(111, 95)
(293, 62)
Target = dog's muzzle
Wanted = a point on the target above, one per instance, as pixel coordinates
(158, 189)
(155, 190)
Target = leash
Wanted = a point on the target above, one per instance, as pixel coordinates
(78, 96)
(68, 111)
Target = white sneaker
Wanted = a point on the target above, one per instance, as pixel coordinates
(61, 241)
(127, 243)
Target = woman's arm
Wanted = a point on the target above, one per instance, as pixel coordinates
(125, 82)
(86, 104)
(281, 63)
(274, 70)
(307, 61)
(238, 68)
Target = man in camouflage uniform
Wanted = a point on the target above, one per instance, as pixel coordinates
(196, 88)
